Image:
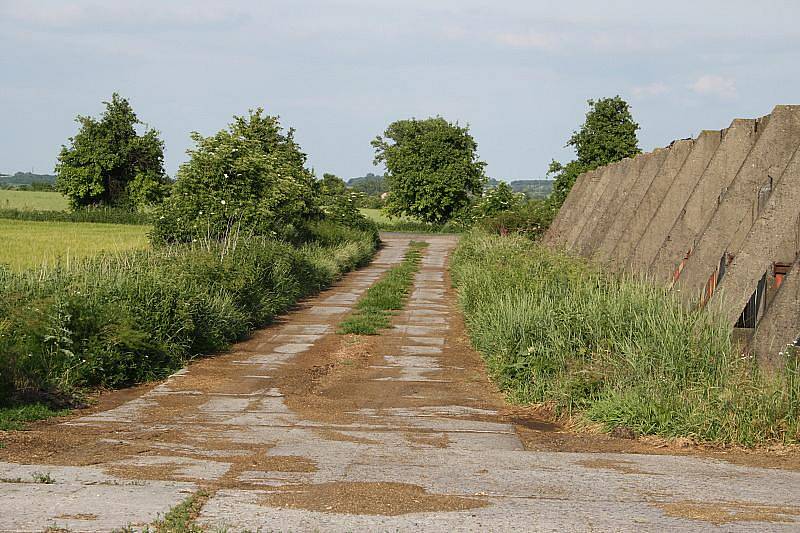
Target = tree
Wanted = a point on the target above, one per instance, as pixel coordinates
(108, 163)
(607, 135)
(249, 177)
(432, 168)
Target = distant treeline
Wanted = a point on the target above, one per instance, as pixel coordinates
(28, 180)
(375, 185)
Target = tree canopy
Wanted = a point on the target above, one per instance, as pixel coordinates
(250, 177)
(108, 163)
(607, 135)
(432, 168)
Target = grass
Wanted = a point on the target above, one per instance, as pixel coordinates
(180, 519)
(374, 309)
(621, 353)
(35, 244)
(32, 200)
(406, 224)
(16, 417)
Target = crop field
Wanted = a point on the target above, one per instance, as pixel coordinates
(33, 244)
(32, 200)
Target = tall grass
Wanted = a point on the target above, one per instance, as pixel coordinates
(622, 353)
(120, 319)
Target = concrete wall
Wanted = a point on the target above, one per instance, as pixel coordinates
(668, 212)
(627, 181)
(679, 151)
(780, 325)
(737, 141)
(772, 238)
(569, 211)
(766, 161)
(732, 194)
(611, 178)
(651, 163)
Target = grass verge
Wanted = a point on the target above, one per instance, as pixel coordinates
(374, 309)
(16, 417)
(556, 331)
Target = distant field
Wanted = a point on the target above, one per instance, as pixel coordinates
(378, 216)
(35, 201)
(33, 244)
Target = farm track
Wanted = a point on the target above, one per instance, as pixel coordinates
(299, 428)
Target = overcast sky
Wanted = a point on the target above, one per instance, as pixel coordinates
(518, 72)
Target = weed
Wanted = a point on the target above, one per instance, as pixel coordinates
(180, 519)
(43, 477)
(627, 354)
(15, 417)
(374, 309)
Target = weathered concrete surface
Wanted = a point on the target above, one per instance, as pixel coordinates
(299, 429)
(556, 233)
(613, 178)
(626, 182)
(599, 180)
(702, 202)
(780, 325)
(652, 162)
(773, 237)
(767, 160)
(678, 152)
(668, 211)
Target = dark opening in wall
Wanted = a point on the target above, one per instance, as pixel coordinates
(715, 278)
(754, 307)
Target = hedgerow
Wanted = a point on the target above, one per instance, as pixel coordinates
(116, 320)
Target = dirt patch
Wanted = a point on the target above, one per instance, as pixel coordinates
(624, 467)
(435, 440)
(719, 513)
(284, 463)
(330, 434)
(389, 499)
(79, 516)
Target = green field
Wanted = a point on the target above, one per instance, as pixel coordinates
(32, 200)
(377, 215)
(33, 244)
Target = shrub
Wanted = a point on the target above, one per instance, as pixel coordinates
(555, 330)
(107, 215)
(246, 179)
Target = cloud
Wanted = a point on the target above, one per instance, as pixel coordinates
(532, 39)
(711, 84)
(650, 90)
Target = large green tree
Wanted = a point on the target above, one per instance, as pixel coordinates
(249, 178)
(108, 163)
(607, 135)
(432, 168)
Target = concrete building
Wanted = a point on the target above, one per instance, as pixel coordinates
(717, 218)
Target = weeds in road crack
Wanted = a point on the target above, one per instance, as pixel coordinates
(374, 309)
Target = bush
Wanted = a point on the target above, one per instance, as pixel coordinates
(117, 320)
(248, 179)
(531, 218)
(555, 330)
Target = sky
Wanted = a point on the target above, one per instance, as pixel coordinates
(518, 73)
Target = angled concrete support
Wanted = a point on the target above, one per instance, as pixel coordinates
(597, 182)
(773, 238)
(614, 178)
(780, 326)
(651, 164)
(678, 152)
(765, 163)
(667, 213)
(703, 200)
(627, 181)
(569, 211)
(606, 178)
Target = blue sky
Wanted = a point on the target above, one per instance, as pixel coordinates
(518, 72)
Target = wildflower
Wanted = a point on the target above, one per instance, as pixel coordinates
(222, 202)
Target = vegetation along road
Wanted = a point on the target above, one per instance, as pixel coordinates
(303, 427)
